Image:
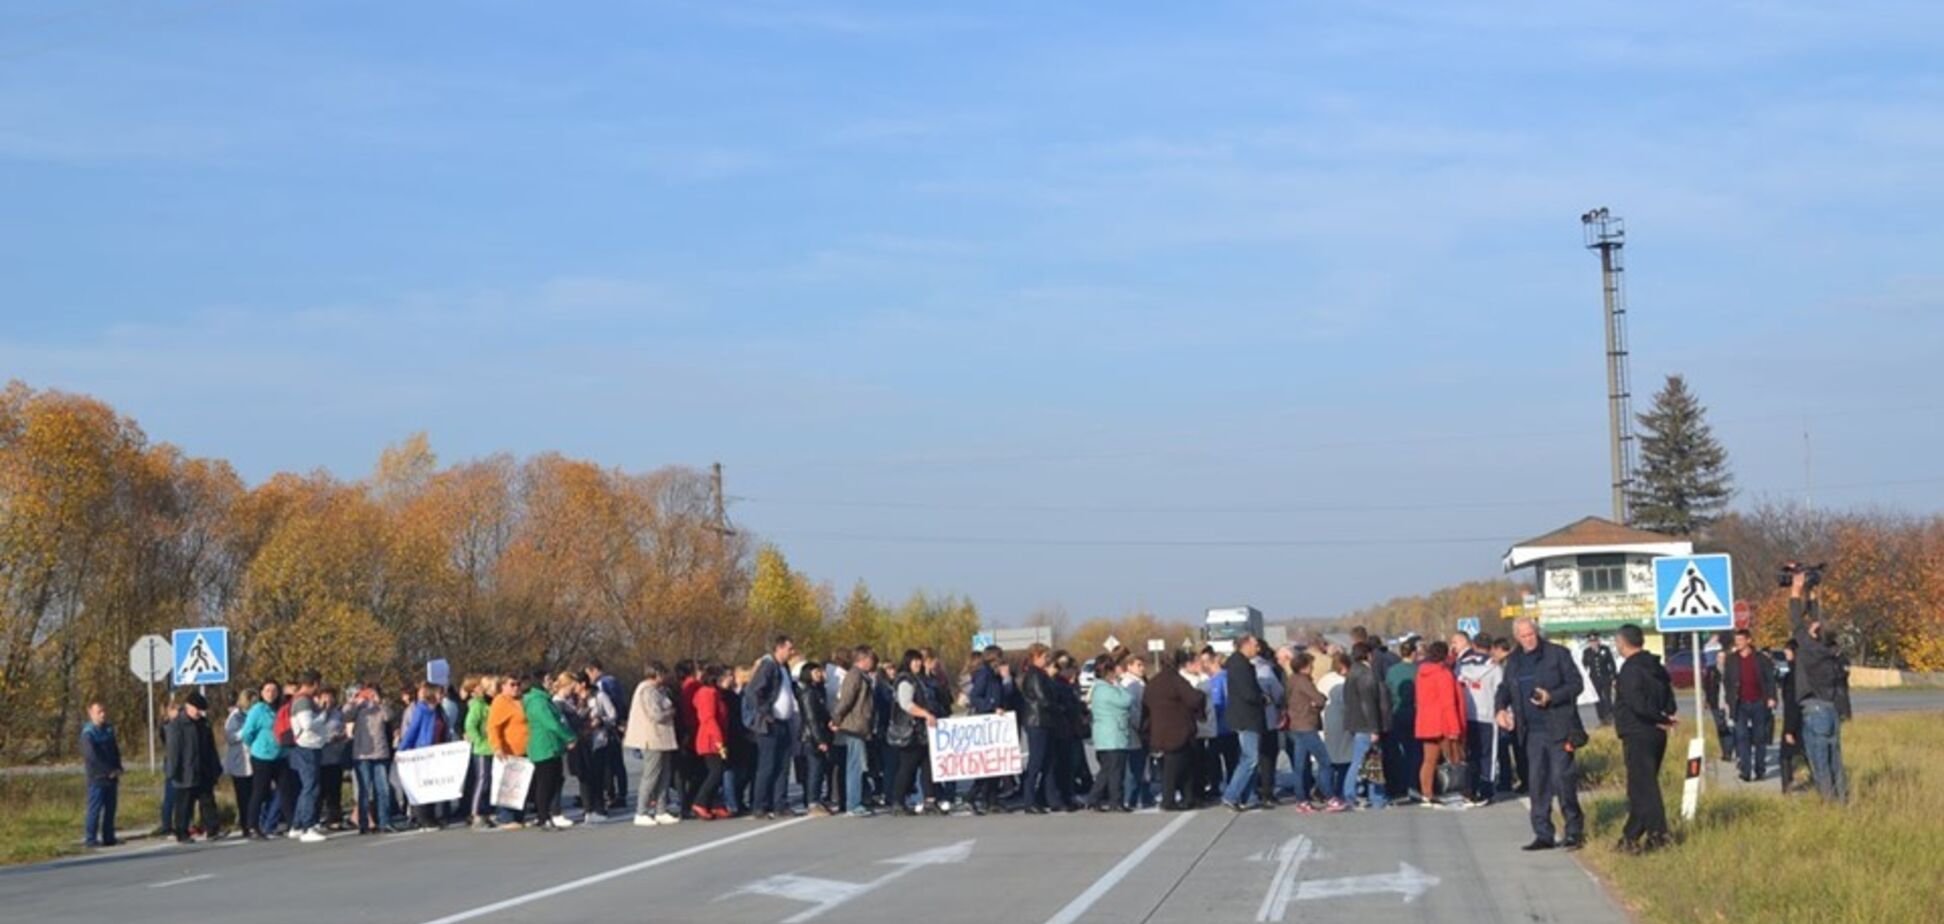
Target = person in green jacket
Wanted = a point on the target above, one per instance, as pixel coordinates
(548, 739)
(1112, 706)
(478, 693)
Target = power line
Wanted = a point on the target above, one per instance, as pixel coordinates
(1138, 543)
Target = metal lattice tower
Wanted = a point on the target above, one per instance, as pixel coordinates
(1606, 234)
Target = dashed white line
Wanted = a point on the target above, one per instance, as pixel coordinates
(534, 896)
(1074, 909)
(183, 881)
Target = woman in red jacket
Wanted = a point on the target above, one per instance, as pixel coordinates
(1440, 718)
(711, 744)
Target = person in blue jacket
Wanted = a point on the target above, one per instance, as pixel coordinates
(987, 696)
(101, 757)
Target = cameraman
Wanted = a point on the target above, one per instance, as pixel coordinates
(1818, 678)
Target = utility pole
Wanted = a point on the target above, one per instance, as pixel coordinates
(720, 521)
(1606, 233)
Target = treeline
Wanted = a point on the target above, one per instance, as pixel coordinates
(1433, 614)
(1883, 591)
(497, 563)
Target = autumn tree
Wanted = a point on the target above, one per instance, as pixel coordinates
(1683, 485)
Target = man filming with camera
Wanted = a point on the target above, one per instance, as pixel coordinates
(1819, 678)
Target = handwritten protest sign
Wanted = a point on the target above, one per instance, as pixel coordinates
(975, 746)
(434, 774)
(511, 777)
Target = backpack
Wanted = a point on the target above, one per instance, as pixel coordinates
(281, 728)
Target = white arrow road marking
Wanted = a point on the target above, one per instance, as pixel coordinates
(1289, 858)
(1074, 909)
(1409, 881)
(825, 894)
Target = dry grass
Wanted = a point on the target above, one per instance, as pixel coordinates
(1756, 856)
(44, 811)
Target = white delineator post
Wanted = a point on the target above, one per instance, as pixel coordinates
(1697, 746)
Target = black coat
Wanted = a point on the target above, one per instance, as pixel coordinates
(813, 705)
(1247, 707)
(1599, 665)
(1038, 707)
(1366, 702)
(191, 752)
(1644, 698)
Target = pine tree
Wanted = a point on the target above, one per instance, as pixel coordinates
(1683, 484)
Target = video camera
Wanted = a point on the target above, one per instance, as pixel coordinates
(1785, 575)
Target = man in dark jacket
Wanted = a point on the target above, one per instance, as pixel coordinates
(1820, 682)
(1790, 753)
(101, 757)
(1748, 684)
(1643, 715)
(1599, 668)
(768, 706)
(1537, 701)
(193, 767)
(1247, 716)
(1174, 707)
(987, 695)
(854, 719)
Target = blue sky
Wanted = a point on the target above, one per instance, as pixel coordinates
(1141, 305)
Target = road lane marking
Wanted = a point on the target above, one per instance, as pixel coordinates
(183, 881)
(686, 852)
(1074, 909)
(825, 894)
(1290, 857)
(1408, 881)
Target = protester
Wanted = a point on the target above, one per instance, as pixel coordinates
(332, 761)
(614, 770)
(711, 744)
(1536, 701)
(1040, 712)
(424, 727)
(1305, 709)
(259, 734)
(192, 766)
(1821, 685)
(651, 733)
(835, 670)
(1478, 680)
(1367, 717)
(596, 716)
(306, 757)
(374, 726)
(1337, 740)
(987, 694)
(1513, 772)
(854, 721)
(913, 716)
(1224, 751)
(1110, 705)
(1174, 709)
(1440, 723)
(816, 735)
(1402, 752)
(1247, 715)
(236, 759)
(478, 692)
(769, 706)
(1644, 713)
(508, 734)
(1133, 677)
(548, 741)
(1748, 684)
(102, 763)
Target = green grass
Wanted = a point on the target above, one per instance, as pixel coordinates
(44, 811)
(1756, 856)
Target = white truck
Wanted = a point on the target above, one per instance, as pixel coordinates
(1226, 624)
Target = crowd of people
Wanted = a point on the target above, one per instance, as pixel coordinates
(1320, 728)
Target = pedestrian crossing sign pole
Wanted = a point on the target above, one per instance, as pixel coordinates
(1694, 594)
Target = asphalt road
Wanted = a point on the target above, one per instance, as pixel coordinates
(1402, 864)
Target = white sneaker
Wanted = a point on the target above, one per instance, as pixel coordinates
(313, 836)
(667, 819)
(562, 821)
(293, 834)
(646, 821)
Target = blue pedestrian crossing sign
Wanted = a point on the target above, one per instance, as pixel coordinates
(1469, 625)
(1694, 593)
(201, 656)
(981, 641)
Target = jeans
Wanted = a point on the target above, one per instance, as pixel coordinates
(99, 826)
(1402, 754)
(1139, 793)
(1554, 776)
(1481, 754)
(813, 779)
(1109, 786)
(1042, 788)
(855, 757)
(1360, 745)
(168, 808)
(772, 763)
(1822, 738)
(479, 797)
(1237, 790)
(655, 767)
(304, 761)
(1308, 746)
(1751, 738)
(374, 794)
